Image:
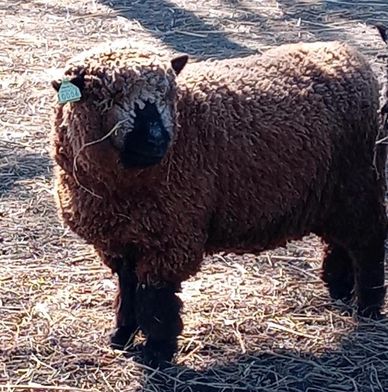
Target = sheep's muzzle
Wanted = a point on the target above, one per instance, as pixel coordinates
(147, 143)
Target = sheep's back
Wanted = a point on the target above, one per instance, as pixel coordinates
(277, 132)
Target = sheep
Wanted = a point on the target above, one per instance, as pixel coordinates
(164, 160)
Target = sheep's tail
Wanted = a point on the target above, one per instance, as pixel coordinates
(382, 140)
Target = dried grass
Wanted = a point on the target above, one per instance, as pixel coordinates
(252, 323)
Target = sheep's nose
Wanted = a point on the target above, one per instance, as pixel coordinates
(156, 133)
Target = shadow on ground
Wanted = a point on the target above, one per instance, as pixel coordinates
(358, 365)
(184, 31)
(15, 167)
(179, 28)
(330, 19)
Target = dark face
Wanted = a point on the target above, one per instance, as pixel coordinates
(147, 143)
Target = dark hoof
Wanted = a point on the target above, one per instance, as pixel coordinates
(158, 354)
(345, 308)
(343, 293)
(370, 313)
(122, 337)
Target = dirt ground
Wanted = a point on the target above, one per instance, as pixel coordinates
(252, 323)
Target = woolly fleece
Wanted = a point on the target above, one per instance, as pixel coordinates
(266, 149)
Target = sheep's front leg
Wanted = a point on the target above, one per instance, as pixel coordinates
(157, 310)
(125, 312)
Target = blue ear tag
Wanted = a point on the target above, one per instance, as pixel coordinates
(68, 92)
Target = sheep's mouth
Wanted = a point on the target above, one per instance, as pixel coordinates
(138, 159)
(146, 149)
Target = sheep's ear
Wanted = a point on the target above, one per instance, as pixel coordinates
(178, 63)
(56, 84)
(383, 32)
(78, 81)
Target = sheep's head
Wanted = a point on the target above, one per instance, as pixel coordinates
(130, 101)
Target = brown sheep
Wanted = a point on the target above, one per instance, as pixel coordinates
(161, 162)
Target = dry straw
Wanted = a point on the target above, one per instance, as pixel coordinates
(252, 323)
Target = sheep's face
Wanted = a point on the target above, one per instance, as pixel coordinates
(144, 141)
(135, 102)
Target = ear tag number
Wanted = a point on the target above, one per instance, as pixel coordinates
(68, 92)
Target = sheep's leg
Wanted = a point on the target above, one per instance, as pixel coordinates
(369, 275)
(359, 225)
(367, 230)
(125, 312)
(157, 310)
(367, 253)
(337, 272)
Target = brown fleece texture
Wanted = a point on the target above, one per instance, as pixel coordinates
(265, 149)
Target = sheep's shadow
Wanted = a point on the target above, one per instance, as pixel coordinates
(19, 166)
(179, 28)
(360, 363)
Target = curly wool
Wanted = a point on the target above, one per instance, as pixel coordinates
(261, 147)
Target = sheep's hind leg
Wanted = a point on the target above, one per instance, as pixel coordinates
(157, 310)
(369, 275)
(337, 273)
(366, 236)
(360, 226)
(125, 313)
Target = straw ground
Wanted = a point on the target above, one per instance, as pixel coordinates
(252, 323)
